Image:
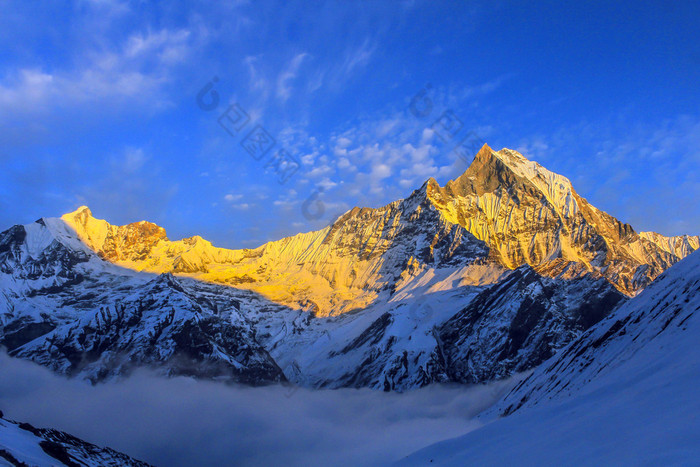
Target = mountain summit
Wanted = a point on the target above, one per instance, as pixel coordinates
(529, 215)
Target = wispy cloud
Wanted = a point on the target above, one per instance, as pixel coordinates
(135, 72)
(370, 161)
(353, 62)
(232, 198)
(289, 74)
(358, 57)
(257, 81)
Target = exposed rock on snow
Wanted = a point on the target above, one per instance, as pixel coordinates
(22, 444)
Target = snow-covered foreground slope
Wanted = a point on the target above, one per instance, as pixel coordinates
(21, 444)
(623, 393)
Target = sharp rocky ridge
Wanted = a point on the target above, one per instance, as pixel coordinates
(489, 275)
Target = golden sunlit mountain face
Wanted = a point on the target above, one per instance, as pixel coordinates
(504, 211)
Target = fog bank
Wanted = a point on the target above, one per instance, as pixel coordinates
(179, 421)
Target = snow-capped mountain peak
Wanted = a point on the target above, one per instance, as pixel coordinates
(680, 245)
(114, 243)
(556, 188)
(527, 214)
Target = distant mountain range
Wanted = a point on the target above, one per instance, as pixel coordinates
(489, 275)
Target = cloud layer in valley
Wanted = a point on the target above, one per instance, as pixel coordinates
(185, 422)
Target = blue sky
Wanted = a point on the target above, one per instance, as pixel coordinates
(98, 106)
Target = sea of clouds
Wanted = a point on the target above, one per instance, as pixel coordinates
(180, 421)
